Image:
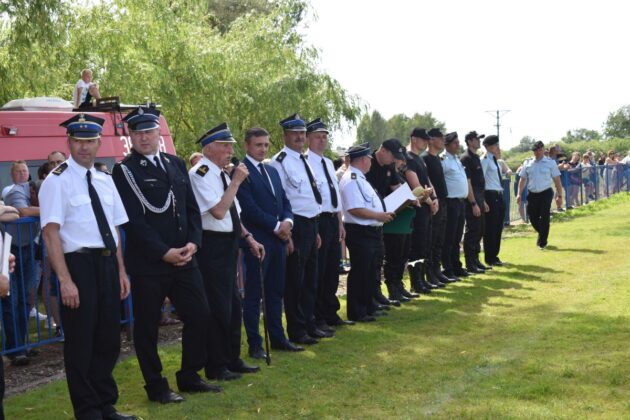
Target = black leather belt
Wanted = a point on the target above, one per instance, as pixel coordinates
(495, 192)
(328, 214)
(298, 217)
(103, 252)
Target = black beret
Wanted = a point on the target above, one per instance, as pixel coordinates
(490, 140)
(450, 137)
(435, 132)
(420, 133)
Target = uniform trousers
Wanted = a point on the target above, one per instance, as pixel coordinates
(300, 290)
(453, 234)
(92, 334)
(328, 258)
(420, 242)
(539, 210)
(365, 244)
(273, 271)
(396, 253)
(217, 262)
(184, 288)
(494, 225)
(473, 231)
(438, 230)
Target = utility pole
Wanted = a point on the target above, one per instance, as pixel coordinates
(499, 114)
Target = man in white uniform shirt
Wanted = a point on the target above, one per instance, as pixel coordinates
(331, 230)
(364, 216)
(303, 191)
(80, 214)
(222, 230)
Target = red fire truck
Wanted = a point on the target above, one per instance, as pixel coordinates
(29, 130)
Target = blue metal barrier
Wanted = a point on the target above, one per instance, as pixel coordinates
(19, 334)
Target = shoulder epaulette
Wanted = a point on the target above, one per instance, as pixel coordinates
(281, 156)
(202, 170)
(126, 159)
(442, 157)
(59, 169)
(103, 171)
(353, 176)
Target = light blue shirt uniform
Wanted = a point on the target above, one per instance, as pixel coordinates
(539, 174)
(455, 176)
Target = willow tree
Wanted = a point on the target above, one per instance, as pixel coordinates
(255, 72)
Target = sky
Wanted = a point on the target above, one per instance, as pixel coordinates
(556, 66)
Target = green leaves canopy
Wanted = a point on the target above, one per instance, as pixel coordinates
(253, 74)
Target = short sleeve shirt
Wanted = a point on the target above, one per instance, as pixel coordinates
(416, 164)
(474, 171)
(539, 173)
(20, 197)
(382, 178)
(64, 199)
(436, 174)
(455, 176)
(81, 84)
(358, 193)
(207, 185)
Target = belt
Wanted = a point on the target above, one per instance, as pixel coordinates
(363, 227)
(494, 191)
(456, 198)
(298, 217)
(328, 214)
(538, 192)
(217, 233)
(101, 252)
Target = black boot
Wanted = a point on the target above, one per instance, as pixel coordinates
(394, 293)
(425, 286)
(406, 293)
(415, 278)
(433, 278)
(381, 299)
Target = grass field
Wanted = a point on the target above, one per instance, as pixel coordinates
(545, 336)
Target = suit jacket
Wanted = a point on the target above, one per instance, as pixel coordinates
(150, 235)
(261, 210)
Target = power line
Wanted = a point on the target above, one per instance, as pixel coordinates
(499, 113)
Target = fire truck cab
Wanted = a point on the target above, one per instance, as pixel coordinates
(29, 131)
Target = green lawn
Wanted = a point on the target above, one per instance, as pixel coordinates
(545, 336)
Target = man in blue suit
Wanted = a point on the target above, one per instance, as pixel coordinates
(266, 213)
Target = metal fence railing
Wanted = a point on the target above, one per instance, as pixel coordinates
(580, 186)
(34, 288)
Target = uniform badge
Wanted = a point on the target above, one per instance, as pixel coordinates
(353, 176)
(140, 111)
(81, 117)
(202, 170)
(143, 162)
(167, 159)
(281, 156)
(59, 169)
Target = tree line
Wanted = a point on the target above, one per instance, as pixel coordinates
(240, 61)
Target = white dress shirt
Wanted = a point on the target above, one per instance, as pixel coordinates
(491, 173)
(296, 183)
(64, 199)
(315, 161)
(208, 189)
(539, 173)
(358, 193)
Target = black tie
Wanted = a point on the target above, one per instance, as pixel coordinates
(311, 179)
(156, 159)
(498, 169)
(236, 221)
(333, 192)
(265, 176)
(101, 220)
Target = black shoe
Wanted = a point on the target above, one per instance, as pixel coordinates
(306, 339)
(401, 299)
(406, 294)
(380, 313)
(461, 272)
(475, 270)
(341, 322)
(257, 354)
(379, 307)
(224, 374)
(317, 333)
(115, 415)
(167, 397)
(496, 262)
(367, 318)
(326, 328)
(287, 346)
(199, 386)
(448, 277)
(483, 267)
(380, 298)
(243, 367)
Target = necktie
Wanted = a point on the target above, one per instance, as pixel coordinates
(498, 169)
(311, 179)
(236, 221)
(101, 220)
(333, 192)
(158, 164)
(265, 176)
